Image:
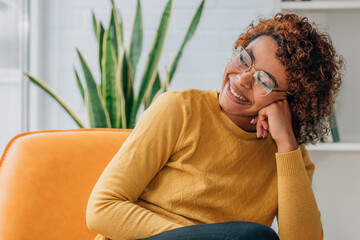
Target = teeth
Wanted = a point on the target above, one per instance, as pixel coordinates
(237, 95)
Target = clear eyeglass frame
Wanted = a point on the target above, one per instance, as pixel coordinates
(242, 61)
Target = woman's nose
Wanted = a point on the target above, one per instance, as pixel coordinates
(245, 78)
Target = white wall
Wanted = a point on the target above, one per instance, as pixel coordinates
(10, 105)
(336, 187)
(12, 49)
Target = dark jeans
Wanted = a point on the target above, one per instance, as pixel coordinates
(219, 231)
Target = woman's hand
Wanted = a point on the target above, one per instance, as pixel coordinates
(276, 118)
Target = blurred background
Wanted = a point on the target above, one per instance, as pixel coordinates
(40, 36)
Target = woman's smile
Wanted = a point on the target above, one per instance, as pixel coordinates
(235, 95)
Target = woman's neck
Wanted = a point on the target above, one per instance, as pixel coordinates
(242, 122)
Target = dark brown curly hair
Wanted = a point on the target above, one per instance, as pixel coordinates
(313, 70)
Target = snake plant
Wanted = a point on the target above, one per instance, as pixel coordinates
(112, 102)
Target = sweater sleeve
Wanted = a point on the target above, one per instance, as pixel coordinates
(111, 209)
(298, 214)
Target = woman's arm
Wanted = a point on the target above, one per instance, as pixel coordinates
(298, 215)
(111, 210)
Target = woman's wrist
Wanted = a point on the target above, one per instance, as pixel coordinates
(287, 145)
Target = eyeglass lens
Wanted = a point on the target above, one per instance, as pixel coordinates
(242, 61)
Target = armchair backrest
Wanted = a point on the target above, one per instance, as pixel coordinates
(46, 179)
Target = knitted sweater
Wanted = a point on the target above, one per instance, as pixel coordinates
(187, 163)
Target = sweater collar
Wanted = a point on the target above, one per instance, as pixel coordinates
(232, 127)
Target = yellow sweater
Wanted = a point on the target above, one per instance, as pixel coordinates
(187, 163)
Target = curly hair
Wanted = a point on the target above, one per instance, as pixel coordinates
(313, 70)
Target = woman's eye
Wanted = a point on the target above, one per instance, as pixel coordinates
(263, 83)
(243, 61)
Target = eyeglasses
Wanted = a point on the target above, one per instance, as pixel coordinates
(242, 61)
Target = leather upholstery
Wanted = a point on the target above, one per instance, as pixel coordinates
(46, 179)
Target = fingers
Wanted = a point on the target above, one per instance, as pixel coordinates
(254, 120)
(265, 132)
(261, 126)
(277, 115)
(259, 130)
(263, 121)
(258, 127)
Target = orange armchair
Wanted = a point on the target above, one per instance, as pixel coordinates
(46, 178)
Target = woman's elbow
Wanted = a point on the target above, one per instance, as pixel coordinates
(94, 214)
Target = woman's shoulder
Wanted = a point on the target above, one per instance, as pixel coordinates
(192, 96)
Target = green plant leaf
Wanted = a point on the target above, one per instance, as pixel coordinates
(155, 88)
(81, 88)
(44, 87)
(122, 120)
(121, 26)
(110, 38)
(153, 61)
(109, 66)
(163, 88)
(167, 83)
(136, 38)
(190, 32)
(100, 44)
(115, 32)
(127, 85)
(99, 34)
(95, 25)
(116, 23)
(98, 115)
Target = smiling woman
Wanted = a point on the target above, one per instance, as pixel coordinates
(245, 88)
(223, 165)
(312, 68)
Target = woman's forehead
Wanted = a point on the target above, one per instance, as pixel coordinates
(262, 43)
(264, 50)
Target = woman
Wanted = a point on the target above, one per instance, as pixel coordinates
(222, 165)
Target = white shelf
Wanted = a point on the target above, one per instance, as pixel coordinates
(320, 5)
(338, 147)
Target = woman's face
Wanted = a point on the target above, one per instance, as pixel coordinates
(264, 58)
